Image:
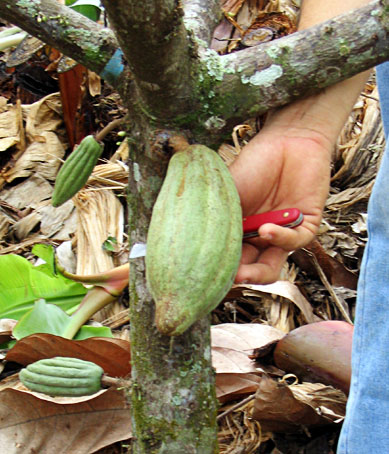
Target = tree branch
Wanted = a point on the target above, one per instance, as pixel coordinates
(199, 24)
(63, 28)
(153, 38)
(211, 93)
(252, 81)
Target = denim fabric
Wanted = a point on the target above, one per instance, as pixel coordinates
(366, 427)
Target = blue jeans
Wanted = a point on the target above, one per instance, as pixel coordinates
(366, 427)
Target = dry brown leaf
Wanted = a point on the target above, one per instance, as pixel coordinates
(337, 274)
(291, 292)
(289, 7)
(221, 36)
(6, 223)
(239, 433)
(112, 175)
(243, 336)
(24, 226)
(121, 155)
(59, 222)
(30, 424)
(3, 103)
(231, 6)
(9, 130)
(43, 115)
(349, 197)
(30, 193)
(328, 401)
(42, 156)
(94, 83)
(231, 345)
(93, 229)
(353, 144)
(44, 149)
(234, 386)
(113, 355)
(228, 360)
(279, 409)
(35, 193)
(285, 289)
(6, 327)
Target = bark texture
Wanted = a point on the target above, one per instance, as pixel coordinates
(181, 83)
(173, 397)
(201, 24)
(303, 63)
(155, 43)
(63, 28)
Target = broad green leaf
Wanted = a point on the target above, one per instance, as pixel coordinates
(46, 253)
(87, 331)
(50, 319)
(21, 284)
(43, 318)
(88, 8)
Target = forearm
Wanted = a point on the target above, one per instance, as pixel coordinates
(288, 163)
(322, 116)
(316, 11)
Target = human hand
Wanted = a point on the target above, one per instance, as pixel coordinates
(277, 170)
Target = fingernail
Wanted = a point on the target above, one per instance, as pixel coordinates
(266, 236)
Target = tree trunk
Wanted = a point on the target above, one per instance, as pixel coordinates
(173, 394)
(173, 397)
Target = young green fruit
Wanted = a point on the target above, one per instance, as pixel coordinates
(194, 241)
(76, 170)
(61, 376)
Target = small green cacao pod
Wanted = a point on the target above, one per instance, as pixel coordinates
(194, 241)
(76, 170)
(61, 376)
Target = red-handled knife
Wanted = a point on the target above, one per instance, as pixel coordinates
(290, 217)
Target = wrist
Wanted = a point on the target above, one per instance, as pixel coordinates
(319, 117)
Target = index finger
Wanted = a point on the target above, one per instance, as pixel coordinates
(265, 270)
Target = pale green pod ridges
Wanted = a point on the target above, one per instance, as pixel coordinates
(194, 241)
(61, 376)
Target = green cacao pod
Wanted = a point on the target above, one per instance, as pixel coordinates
(194, 241)
(61, 376)
(76, 170)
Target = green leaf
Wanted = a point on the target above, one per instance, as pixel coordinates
(22, 283)
(46, 253)
(110, 244)
(89, 8)
(43, 318)
(50, 319)
(87, 331)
